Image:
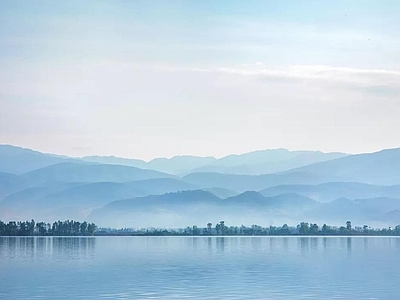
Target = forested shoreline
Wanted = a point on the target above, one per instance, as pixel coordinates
(221, 229)
(58, 228)
(75, 228)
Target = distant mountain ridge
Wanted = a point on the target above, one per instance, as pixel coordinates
(17, 160)
(86, 172)
(381, 168)
(330, 187)
(251, 163)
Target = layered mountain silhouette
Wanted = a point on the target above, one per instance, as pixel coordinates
(17, 160)
(252, 163)
(381, 168)
(265, 187)
(330, 191)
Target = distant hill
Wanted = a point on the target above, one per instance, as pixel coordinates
(360, 211)
(266, 161)
(221, 192)
(380, 168)
(112, 160)
(10, 183)
(172, 209)
(255, 199)
(17, 160)
(242, 183)
(179, 164)
(330, 191)
(174, 165)
(27, 199)
(199, 207)
(251, 163)
(78, 172)
(82, 198)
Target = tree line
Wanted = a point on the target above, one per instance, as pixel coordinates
(221, 229)
(58, 228)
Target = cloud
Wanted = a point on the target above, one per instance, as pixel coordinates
(317, 73)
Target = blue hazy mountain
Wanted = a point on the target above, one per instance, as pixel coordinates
(266, 161)
(179, 164)
(10, 183)
(174, 165)
(241, 183)
(87, 172)
(112, 160)
(330, 191)
(360, 211)
(221, 192)
(381, 168)
(200, 206)
(251, 163)
(82, 198)
(27, 196)
(17, 160)
(252, 199)
(172, 209)
(364, 187)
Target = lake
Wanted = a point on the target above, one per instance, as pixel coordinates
(199, 267)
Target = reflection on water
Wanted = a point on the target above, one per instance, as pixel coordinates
(199, 267)
(56, 247)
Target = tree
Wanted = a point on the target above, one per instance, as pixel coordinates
(325, 229)
(84, 227)
(396, 230)
(314, 229)
(222, 226)
(91, 228)
(218, 228)
(348, 225)
(195, 230)
(209, 225)
(303, 228)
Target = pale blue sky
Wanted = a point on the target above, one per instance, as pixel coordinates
(162, 78)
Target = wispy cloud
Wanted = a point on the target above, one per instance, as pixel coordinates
(331, 74)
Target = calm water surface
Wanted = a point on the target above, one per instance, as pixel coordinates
(199, 268)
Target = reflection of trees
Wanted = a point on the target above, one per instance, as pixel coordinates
(220, 241)
(36, 247)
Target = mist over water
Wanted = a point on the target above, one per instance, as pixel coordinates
(199, 267)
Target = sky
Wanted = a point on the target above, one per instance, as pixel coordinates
(145, 79)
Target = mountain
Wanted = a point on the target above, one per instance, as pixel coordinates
(380, 168)
(392, 217)
(266, 161)
(372, 211)
(97, 194)
(330, 191)
(200, 207)
(242, 183)
(26, 203)
(112, 160)
(179, 164)
(174, 165)
(172, 209)
(79, 199)
(17, 160)
(257, 200)
(221, 192)
(10, 183)
(86, 172)
(251, 163)
(23, 198)
(383, 204)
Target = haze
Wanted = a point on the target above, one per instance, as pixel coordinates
(150, 79)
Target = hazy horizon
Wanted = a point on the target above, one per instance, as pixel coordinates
(190, 155)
